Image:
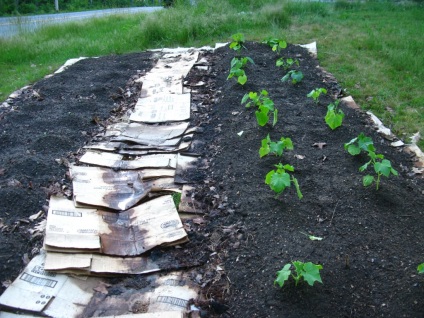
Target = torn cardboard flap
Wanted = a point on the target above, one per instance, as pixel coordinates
(188, 203)
(162, 108)
(131, 232)
(115, 161)
(118, 190)
(160, 293)
(152, 135)
(70, 227)
(184, 163)
(51, 294)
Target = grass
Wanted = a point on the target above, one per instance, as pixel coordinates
(373, 48)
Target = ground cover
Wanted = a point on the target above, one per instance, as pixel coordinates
(370, 245)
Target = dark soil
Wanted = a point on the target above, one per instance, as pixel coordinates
(371, 239)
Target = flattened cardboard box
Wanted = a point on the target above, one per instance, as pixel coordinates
(115, 161)
(131, 232)
(118, 190)
(52, 294)
(162, 108)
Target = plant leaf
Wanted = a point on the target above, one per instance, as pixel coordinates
(420, 268)
(311, 273)
(384, 167)
(283, 275)
(367, 180)
(296, 185)
(280, 181)
(262, 117)
(242, 79)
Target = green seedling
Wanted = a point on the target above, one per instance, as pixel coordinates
(279, 179)
(294, 76)
(420, 268)
(334, 116)
(276, 148)
(358, 144)
(238, 42)
(316, 93)
(382, 167)
(286, 63)
(312, 238)
(264, 105)
(276, 44)
(236, 70)
(308, 271)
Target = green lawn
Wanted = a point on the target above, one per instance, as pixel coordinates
(374, 49)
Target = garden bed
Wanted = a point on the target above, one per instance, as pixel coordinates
(371, 239)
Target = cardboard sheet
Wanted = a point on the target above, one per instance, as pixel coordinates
(152, 135)
(161, 293)
(115, 161)
(131, 232)
(162, 108)
(118, 190)
(184, 163)
(48, 293)
(188, 204)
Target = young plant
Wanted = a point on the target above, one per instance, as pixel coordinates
(295, 76)
(276, 148)
(308, 271)
(382, 167)
(316, 93)
(276, 44)
(420, 268)
(236, 70)
(264, 104)
(286, 63)
(334, 116)
(279, 179)
(238, 42)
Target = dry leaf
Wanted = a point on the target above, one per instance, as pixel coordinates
(199, 221)
(301, 157)
(36, 215)
(320, 145)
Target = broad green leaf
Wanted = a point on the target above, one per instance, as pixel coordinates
(242, 79)
(245, 98)
(280, 181)
(384, 167)
(311, 273)
(420, 268)
(288, 167)
(364, 167)
(283, 275)
(268, 103)
(233, 45)
(365, 143)
(287, 142)
(332, 119)
(367, 180)
(276, 147)
(269, 176)
(296, 76)
(282, 44)
(285, 77)
(394, 172)
(353, 150)
(261, 117)
(279, 62)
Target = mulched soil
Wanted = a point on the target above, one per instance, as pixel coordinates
(371, 239)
